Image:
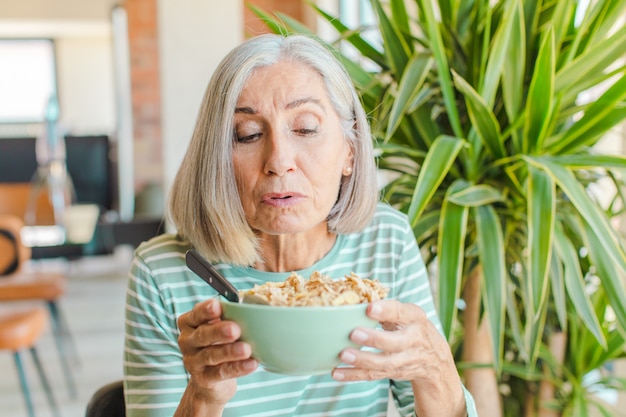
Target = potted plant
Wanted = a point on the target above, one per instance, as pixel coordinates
(482, 110)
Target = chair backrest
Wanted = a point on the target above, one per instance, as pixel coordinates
(108, 401)
(13, 252)
(14, 200)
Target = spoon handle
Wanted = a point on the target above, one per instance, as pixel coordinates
(209, 274)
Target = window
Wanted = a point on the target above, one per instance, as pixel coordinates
(27, 79)
(359, 14)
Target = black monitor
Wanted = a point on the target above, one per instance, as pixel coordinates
(88, 162)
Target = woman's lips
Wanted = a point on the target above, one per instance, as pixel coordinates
(282, 200)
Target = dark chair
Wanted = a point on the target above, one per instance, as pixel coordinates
(107, 401)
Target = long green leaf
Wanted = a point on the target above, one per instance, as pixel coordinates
(427, 224)
(512, 311)
(561, 17)
(396, 48)
(590, 161)
(443, 69)
(451, 253)
(574, 283)
(483, 119)
(498, 53)
(476, 195)
(611, 275)
(540, 102)
(439, 159)
(491, 255)
(355, 39)
(588, 210)
(596, 59)
(557, 286)
(541, 206)
(401, 18)
(575, 137)
(410, 85)
(514, 66)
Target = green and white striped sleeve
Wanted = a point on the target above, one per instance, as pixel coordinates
(155, 378)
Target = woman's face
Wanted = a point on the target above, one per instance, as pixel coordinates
(290, 152)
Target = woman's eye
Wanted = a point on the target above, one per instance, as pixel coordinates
(243, 138)
(305, 131)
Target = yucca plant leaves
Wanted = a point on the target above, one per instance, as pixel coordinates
(498, 52)
(540, 101)
(587, 208)
(443, 69)
(401, 19)
(612, 277)
(396, 48)
(452, 225)
(590, 161)
(575, 285)
(541, 206)
(515, 324)
(285, 24)
(491, 250)
(595, 59)
(439, 159)
(355, 39)
(476, 195)
(514, 65)
(576, 136)
(410, 86)
(477, 110)
(557, 286)
(483, 119)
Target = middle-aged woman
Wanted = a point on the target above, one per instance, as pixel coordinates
(279, 177)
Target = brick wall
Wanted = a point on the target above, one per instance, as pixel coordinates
(145, 91)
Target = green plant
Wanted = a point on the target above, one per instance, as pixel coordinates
(482, 111)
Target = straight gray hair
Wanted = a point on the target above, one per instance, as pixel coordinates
(204, 205)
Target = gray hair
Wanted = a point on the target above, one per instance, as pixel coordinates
(204, 205)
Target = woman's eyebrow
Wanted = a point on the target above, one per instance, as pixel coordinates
(246, 110)
(291, 105)
(299, 102)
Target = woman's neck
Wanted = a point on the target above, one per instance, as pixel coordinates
(286, 253)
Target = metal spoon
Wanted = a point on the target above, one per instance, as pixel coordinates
(211, 276)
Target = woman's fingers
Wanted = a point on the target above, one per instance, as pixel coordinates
(405, 349)
(201, 313)
(203, 327)
(206, 341)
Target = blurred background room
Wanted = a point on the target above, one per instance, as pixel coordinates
(97, 103)
(98, 100)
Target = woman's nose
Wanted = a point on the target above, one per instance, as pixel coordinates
(279, 154)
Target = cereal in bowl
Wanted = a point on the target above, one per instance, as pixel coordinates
(318, 290)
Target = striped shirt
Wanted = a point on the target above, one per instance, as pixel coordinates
(161, 288)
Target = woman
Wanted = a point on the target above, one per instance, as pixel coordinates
(279, 177)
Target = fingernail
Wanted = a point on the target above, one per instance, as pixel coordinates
(250, 365)
(375, 310)
(347, 357)
(359, 336)
(339, 376)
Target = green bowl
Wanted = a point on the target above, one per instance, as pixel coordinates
(297, 340)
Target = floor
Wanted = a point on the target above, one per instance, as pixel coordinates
(94, 309)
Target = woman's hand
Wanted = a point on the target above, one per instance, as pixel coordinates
(212, 355)
(411, 349)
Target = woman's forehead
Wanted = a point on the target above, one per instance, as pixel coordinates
(288, 84)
